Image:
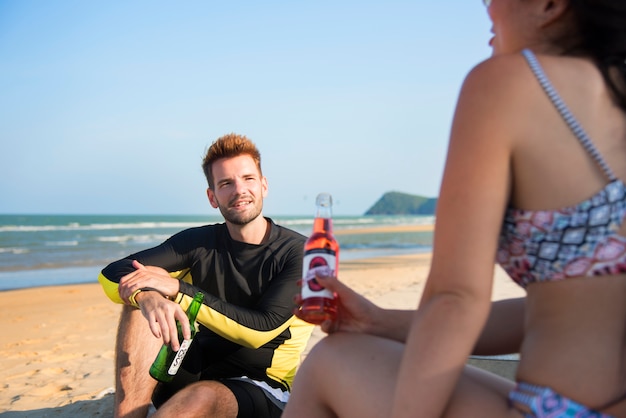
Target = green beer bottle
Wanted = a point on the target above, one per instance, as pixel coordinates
(168, 361)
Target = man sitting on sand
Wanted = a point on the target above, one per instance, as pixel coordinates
(244, 357)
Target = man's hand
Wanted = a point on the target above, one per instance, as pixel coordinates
(162, 315)
(354, 312)
(147, 277)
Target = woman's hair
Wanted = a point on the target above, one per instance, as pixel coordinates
(229, 146)
(602, 25)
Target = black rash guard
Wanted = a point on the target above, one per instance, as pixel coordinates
(247, 327)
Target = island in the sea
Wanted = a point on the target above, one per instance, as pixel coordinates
(397, 203)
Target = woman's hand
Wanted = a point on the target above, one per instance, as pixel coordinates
(355, 313)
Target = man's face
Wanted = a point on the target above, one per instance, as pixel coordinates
(238, 190)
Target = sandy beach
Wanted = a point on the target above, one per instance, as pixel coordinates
(57, 344)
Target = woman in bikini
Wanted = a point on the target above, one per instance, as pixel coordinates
(534, 180)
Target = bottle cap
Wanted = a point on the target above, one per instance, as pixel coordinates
(324, 199)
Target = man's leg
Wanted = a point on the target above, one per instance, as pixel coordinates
(136, 349)
(201, 399)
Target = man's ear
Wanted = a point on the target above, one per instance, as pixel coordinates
(211, 196)
(264, 186)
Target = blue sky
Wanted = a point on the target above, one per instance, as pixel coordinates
(108, 107)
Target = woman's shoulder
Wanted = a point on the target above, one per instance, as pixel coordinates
(498, 86)
(508, 80)
(514, 70)
(497, 79)
(506, 71)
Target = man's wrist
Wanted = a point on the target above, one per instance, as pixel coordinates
(133, 297)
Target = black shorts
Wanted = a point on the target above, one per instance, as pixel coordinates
(253, 401)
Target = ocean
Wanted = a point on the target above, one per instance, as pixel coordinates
(45, 250)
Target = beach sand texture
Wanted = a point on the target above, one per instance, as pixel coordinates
(57, 344)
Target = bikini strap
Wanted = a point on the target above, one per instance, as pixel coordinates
(567, 116)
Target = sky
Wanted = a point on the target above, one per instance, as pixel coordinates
(107, 107)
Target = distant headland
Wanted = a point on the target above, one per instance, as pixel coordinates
(397, 203)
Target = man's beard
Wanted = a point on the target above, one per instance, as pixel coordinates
(241, 218)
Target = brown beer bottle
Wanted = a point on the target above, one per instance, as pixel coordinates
(168, 361)
(321, 255)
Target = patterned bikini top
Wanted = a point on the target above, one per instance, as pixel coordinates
(579, 240)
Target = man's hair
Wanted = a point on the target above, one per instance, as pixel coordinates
(229, 146)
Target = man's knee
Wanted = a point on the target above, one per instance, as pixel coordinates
(131, 316)
(133, 330)
(208, 396)
(209, 391)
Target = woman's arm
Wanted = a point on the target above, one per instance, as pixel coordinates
(357, 314)
(504, 331)
(475, 191)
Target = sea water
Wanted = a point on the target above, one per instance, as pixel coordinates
(42, 250)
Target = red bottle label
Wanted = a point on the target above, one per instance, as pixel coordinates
(317, 261)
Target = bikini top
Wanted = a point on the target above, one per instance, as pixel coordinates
(580, 240)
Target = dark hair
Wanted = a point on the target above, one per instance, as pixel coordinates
(229, 146)
(602, 25)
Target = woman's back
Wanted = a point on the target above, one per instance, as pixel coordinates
(550, 167)
(575, 326)
(574, 340)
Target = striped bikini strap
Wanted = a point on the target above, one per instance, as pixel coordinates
(569, 118)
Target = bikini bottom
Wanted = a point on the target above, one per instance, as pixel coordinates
(542, 402)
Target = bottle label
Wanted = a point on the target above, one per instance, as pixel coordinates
(318, 261)
(178, 359)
